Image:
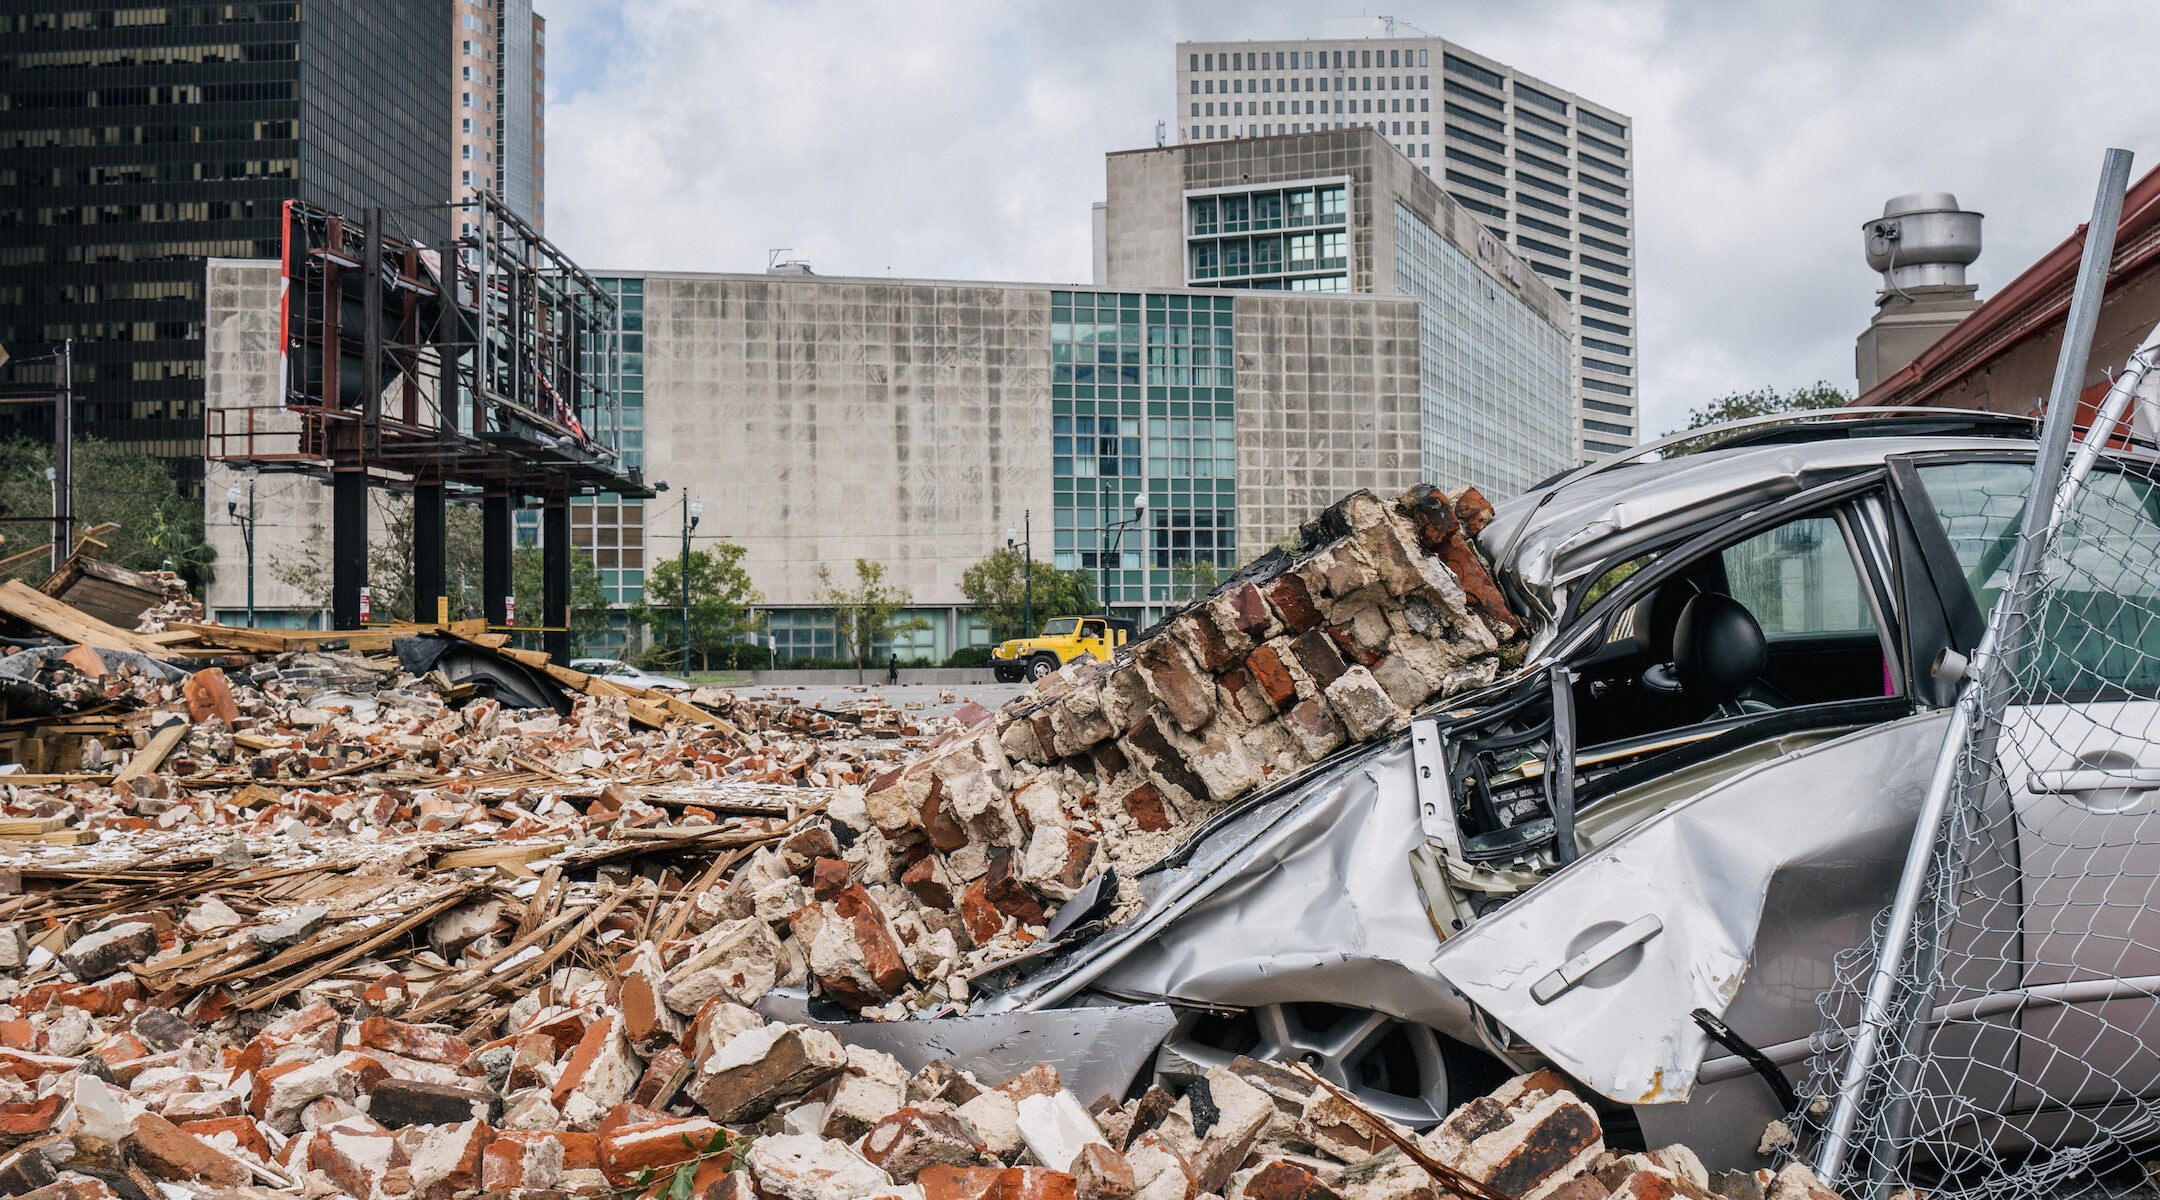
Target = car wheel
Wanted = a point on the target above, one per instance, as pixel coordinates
(1041, 665)
(1406, 1073)
(1005, 674)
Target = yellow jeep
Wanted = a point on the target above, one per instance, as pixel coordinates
(1063, 638)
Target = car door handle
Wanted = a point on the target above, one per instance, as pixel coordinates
(2092, 779)
(1563, 978)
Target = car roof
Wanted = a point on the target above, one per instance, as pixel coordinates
(1554, 533)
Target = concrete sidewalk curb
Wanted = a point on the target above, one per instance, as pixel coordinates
(937, 676)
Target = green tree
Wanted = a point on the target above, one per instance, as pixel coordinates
(588, 604)
(1192, 578)
(113, 484)
(722, 606)
(868, 612)
(998, 587)
(389, 568)
(1764, 401)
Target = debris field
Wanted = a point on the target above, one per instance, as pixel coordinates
(406, 912)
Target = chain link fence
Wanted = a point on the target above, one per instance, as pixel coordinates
(1999, 1035)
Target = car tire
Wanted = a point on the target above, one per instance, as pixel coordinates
(1041, 665)
(1406, 1072)
(1005, 674)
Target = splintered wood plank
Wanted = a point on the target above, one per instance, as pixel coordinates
(33, 607)
(152, 755)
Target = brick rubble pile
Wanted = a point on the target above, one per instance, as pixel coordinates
(308, 925)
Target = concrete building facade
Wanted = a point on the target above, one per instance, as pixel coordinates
(1543, 168)
(920, 423)
(499, 69)
(1342, 211)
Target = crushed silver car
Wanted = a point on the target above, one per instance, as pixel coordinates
(1635, 858)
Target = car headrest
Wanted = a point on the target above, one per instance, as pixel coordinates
(1718, 649)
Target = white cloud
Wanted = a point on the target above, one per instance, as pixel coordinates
(964, 139)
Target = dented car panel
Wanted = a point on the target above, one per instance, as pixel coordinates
(1634, 937)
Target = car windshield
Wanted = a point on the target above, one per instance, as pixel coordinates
(1061, 627)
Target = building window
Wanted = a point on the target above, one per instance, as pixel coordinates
(1470, 70)
(1618, 410)
(1617, 389)
(1195, 63)
(1601, 124)
(1530, 94)
(1607, 427)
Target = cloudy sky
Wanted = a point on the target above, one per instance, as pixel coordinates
(964, 139)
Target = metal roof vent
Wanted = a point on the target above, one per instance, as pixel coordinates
(1922, 239)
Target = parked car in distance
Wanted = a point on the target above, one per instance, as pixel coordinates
(614, 670)
(1063, 639)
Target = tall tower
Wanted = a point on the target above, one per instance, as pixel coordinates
(138, 143)
(499, 101)
(1548, 171)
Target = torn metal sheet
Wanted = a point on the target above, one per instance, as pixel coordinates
(505, 679)
(1601, 967)
(1318, 905)
(1097, 1051)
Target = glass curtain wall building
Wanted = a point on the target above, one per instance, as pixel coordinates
(1549, 171)
(136, 143)
(1143, 401)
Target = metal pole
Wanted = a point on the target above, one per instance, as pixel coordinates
(247, 533)
(64, 457)
(689, 522)
(1027, 572)
(2047, 469)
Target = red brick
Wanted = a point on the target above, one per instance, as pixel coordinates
(517, 1159)
(1002, 888)
(1144, 804)
(658, 1145)
(1183, 690)
(414, 1041)
(1271, 675)
(929, 883)
(28, 1119)
(827, 877)
(1206, 643)
(209, 695)
(1315, 652)
(888, 973)
(1250, 610)
(981, 918)
(1472, 509)
(175, 1155)
(959, 1183)
(246, 1134)
(1292, 602)
(1281, 1180)
(1100, 1173)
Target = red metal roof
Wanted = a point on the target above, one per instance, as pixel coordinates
(2031, 304)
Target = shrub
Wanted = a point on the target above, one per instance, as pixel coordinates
(970, 656)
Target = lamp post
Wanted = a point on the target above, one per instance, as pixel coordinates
(1118, 537)
(247, 536)
(1027, 570)
(692, 510)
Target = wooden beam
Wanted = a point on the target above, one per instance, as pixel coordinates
(33, 607)
(152, 755)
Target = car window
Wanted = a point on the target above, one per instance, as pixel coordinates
(1799, 578)
(1091, 629)
(1980, 505)
(1061, 627)
(2100, 613)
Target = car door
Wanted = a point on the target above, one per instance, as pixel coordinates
(2080, 760)
(1752, 870)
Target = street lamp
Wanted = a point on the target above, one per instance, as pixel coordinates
(1117, 538)
(247, 536)
(1027, 570)
(692, 510)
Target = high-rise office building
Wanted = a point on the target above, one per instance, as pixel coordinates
(499, 103)
(1547, 171)
(1342, 211)
(137, 143)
